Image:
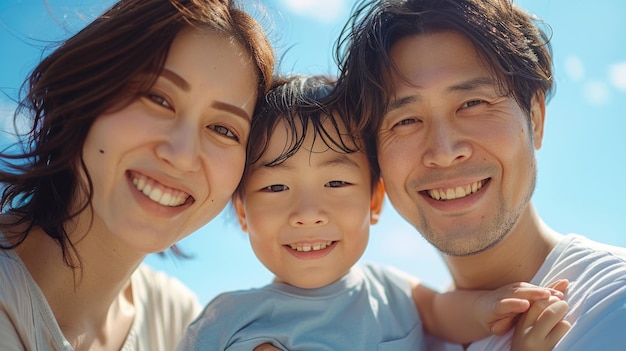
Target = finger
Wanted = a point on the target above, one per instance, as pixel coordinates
(534, 293)
(560, 285)
(530, 317)
(557, 333)
(550, 316)
(501, 326)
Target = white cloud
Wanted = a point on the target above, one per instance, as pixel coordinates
(574, 68)
(320, 10)
(7, 128)
(596, 93)
(617, 75)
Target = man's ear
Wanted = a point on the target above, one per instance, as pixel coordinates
(537, 118)
(241, 213)
(376, 203)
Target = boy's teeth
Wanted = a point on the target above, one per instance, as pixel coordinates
(455, 193)
(158, 193)
(310, 247)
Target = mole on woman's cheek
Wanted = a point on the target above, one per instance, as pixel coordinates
(101, 151)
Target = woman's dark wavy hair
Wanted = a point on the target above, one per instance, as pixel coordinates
(302, 104)
(508, 39)
(107, 64)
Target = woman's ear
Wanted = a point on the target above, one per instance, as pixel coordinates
(241, 213)
(376, 203)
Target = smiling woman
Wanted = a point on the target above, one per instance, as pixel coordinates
(130, 118)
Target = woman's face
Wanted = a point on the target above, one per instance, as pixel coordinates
(168, 163)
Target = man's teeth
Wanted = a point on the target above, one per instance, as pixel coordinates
(455, 193)
(158, 193)
(310, 247)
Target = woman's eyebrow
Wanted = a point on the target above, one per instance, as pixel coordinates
(175, 79)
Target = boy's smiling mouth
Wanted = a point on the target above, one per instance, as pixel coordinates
(305, 247)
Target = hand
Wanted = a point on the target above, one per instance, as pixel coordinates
(542, 326)
(502, 307)
(266, 347)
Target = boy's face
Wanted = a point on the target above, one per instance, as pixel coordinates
(308, 218)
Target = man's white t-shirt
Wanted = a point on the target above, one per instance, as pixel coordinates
(596, 296)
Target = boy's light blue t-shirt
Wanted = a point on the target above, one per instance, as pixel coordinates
(369, 309)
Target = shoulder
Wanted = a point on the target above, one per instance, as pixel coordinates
(389, 284)
(25, 317)
(387, 275)
(596, 295)
(156, 285)
(576, 257)
(164, 305)
(15, 282)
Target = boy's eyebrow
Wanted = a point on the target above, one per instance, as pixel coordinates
(341, 159)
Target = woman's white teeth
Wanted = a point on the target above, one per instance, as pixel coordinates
(310, 247)
(159, 194)
(455, 193)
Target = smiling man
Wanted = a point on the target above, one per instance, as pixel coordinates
(452, 95)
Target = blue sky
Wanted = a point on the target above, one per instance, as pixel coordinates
(581, 163)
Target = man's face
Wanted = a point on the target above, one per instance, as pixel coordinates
(456, 153)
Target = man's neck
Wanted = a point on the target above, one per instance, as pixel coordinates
(516, 258)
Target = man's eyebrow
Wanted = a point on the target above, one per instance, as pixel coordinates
(475, 83)
(175, 79)
(471, 84)
(399, 103)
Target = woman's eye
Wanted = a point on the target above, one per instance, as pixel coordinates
(275, 188)
(225, 131)
(336, 184)
(159, 100)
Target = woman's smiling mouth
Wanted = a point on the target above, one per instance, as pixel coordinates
(157, 192)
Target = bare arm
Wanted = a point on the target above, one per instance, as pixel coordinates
(463, 316)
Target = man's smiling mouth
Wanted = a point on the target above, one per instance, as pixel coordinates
(458, 192)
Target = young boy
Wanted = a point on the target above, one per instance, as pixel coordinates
(307, 199)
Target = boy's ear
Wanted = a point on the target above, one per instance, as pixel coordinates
(241, 213)
(376, 204)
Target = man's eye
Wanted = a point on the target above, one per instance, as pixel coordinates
(472, 103)
(406, 121)
(336, 184)
(275, 188)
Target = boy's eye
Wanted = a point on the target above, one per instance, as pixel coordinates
(225, 131)
(336, 184)
(275, 188)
